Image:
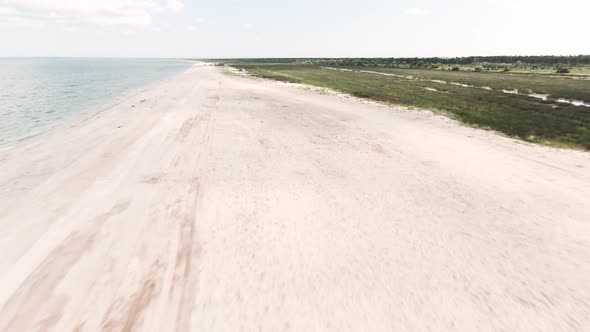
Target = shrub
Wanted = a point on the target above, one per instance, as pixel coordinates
(562, 70)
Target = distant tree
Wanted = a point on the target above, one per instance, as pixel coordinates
(485, 62)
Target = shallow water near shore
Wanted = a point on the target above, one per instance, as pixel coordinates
(40, 94)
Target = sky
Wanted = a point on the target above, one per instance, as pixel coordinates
(304, 28)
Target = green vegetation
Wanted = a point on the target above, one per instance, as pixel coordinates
(533, 119)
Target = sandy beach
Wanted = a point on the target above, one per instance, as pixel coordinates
(215, 202)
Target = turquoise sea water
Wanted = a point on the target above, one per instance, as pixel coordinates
(39, 94)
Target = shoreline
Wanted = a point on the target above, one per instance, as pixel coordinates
(92, 111)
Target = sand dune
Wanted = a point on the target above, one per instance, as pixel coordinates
(212, 202)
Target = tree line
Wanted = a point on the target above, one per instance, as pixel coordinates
(433, 62)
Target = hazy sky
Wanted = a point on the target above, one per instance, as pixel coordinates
(305, 28)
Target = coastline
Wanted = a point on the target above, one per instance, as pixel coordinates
(50, 138)
(94, 110)
(223, 202)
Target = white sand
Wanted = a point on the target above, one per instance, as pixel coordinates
(224, 203)
(539, 96)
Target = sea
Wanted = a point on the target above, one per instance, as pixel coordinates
(38, 94)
